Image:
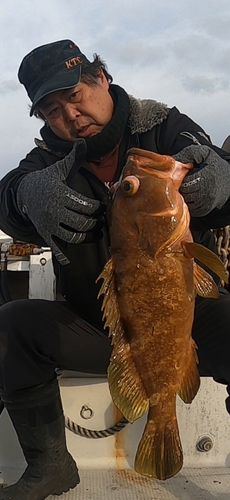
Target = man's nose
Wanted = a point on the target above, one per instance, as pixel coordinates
(71, 111)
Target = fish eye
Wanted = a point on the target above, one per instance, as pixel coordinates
(130, 185)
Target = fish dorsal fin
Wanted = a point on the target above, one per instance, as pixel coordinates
(207, 257)
(205, 285)
(190, 382)
(125, 384)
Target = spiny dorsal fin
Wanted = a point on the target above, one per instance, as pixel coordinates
(125, 385)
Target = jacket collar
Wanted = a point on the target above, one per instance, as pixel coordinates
(145, 114)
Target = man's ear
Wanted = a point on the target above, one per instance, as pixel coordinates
(103, 79)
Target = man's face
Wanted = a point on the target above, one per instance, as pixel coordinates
(81, 111)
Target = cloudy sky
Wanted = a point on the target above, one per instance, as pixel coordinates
(174, 51)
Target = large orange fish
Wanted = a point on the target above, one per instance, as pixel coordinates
(149, 291)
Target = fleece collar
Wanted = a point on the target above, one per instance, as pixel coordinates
(145, 114)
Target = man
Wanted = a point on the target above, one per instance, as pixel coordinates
(58, 196)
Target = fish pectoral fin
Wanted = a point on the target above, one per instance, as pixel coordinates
(159, 453)
(205, 285)
(207, 257)
(125, 384)
(190, 382)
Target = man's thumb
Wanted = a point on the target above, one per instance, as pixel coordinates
(77, 153)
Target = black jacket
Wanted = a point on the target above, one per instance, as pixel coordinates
(169, 134)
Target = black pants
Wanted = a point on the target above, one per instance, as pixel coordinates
(36, 336)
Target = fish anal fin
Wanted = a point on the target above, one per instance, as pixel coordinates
(125, 384)
(204, 283)
(190, 382)
(205, 256)
(159, 454)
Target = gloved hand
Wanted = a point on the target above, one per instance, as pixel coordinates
(207, 185)
(55, 209)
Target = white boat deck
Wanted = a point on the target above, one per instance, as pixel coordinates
(189, 484)
(106, 465)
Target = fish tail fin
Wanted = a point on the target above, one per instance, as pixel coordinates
(159, 453)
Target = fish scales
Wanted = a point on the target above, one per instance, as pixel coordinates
(149, 291)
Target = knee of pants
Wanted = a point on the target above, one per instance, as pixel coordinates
(13, 319)
(10, 314)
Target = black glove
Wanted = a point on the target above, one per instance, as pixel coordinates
(207, 185)
(56, 210)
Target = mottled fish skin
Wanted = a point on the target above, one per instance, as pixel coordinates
(149, 305)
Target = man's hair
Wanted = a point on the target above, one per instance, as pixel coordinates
(90, 73)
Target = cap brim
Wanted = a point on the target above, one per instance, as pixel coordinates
(58, 82)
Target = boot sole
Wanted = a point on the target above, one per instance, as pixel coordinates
(73, 481)
(67, 480)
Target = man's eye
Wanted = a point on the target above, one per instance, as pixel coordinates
(74, 97)
(53, 112)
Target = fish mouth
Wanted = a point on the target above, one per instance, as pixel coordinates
(160, 163)
(161, 166)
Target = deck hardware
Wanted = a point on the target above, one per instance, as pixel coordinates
(204, 444)
(43, 261)
(86, 412)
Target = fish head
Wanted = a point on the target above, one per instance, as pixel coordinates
(146, 200)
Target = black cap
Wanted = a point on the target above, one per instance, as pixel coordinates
(51, 67)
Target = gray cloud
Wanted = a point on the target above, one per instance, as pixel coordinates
(139, 53)
(205, 84)
(216, 26)
(8, 86)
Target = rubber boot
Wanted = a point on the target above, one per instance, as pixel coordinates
(38, 419)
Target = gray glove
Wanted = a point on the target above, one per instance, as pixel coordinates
(207, 185)
(56, 210)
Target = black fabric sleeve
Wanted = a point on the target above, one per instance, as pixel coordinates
(214, 220)
(177, 132)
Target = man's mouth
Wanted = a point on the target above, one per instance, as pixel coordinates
(84, 131)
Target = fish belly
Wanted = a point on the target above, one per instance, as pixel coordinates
(156, 304)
